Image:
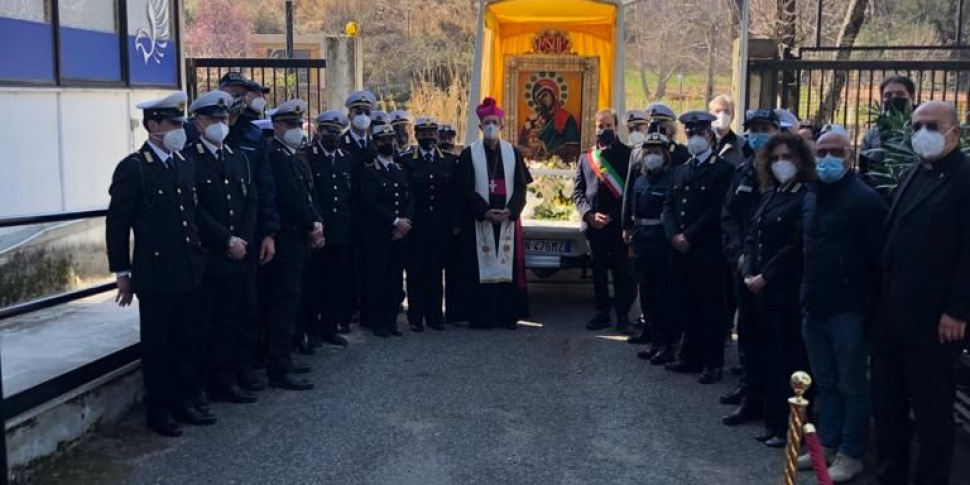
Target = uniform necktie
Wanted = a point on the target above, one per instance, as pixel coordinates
(428, 158)
(167, 162)
(219, 154)
(363, 144)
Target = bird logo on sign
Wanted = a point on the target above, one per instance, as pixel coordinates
(153, 42)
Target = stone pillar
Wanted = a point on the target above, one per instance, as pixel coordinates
(345, 69)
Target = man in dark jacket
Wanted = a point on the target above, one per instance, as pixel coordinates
(925, 302)
(843, 236)
(598, 193)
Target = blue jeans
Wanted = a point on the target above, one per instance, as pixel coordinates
(839, 354)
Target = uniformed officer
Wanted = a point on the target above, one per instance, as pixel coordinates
(743, 198)
(378, 118)
(431, 177)
(153, 195)
(356, 141)
(226, 217)
(329, 295)
(663, 120)
(692, 213)
(637, 126)
(446, 138)
(772, 271)
(301, 230)
(386, 212)
(401, 121)
(643, 229)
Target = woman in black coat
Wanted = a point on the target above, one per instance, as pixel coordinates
(772, 268)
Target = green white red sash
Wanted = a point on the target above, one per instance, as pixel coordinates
(605, 172)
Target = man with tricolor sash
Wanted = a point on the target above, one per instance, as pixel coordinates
(598, 193)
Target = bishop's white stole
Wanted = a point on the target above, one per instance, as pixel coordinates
(495, 258)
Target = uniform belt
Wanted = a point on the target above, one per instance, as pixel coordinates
(648, 222)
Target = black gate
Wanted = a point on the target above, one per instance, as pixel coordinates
(817, 85)
(286, 78)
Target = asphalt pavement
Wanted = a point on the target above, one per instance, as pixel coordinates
(550, 403)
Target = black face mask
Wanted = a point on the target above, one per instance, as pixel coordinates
(427, 144)
(606, 137)
(386, 149)
(897, 105)
(329, 141)
(446, 146)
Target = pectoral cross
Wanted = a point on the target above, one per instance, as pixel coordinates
(491, 185)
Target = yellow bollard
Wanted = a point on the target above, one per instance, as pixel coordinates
(800, 382)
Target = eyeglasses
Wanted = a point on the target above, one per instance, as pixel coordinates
(824, 152)
(929, 125)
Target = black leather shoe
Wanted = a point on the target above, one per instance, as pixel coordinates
(381, 333)
(663, 357)
(315, 341)
(682, 367)
(744, 413)
(334, 339)
(233, 394)
(343, 328)
(438, 327)
(417, 327)
(732, 398)
(776, 442)
(710, 375)
(510, 325)
(641, 338)
(290, 382)
(765, 436)
(189, 414)
(164, 425)
(252, 382)
(599, 322)
(396, 332)
(647, 354)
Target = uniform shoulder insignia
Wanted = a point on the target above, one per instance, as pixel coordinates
(228, 150)
(340, 152)
(415, 155)
(346, 138)
(200, 148)
(726, 149)
(148, 156)
(179, 156)
(795, 188)
(315, 152)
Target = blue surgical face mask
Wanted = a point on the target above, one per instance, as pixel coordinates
(830, 169)
(758, 140)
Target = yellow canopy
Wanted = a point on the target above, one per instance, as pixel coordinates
(510, 25)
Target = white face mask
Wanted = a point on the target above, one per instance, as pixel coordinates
(697, 144)
(258, 104)
(654, 161)
(637, 137)
(491, 132)
(361, 122)
(217, 132)
(723, 121)
(174, 140)
(293, 138)
(928, 144)
(784, 171)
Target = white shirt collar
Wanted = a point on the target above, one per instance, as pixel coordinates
(211, 146)
(386, 162)
(357, 138)
(706, 154)
(425, 154)
(162, 156)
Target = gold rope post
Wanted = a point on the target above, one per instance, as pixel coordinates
(800, 382)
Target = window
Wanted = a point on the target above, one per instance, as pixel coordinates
(152, 43)
(26, 41)
(90, 46)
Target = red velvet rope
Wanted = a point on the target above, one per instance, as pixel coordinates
(818, 456)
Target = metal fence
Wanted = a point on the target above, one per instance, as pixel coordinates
(836, 85)
(23, 401)
(286, 78)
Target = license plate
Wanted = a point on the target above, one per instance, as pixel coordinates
(545, 246)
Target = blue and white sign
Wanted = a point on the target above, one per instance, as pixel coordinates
(152, 50)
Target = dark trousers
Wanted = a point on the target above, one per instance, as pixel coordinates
(653, 277)
(384, 269)
(329, 292)
(223, 324)
(287, 280)
(750, 338)
(610, 255)
(921, 379)
(170, 341)
(699, 287)
(784, 353)
(249, 328)
(426, 266)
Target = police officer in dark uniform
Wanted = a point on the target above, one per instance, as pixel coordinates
(692, 213)
(431, 176)
(386, 212)
(446, 139)
(301, 231)
(743, 198)
(153, 195)
(643, 228)
(663, 120)
(328, 295)
(357, 141)
(401, 121)
(226, 217)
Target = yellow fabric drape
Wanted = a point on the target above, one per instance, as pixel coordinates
(510, 26)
